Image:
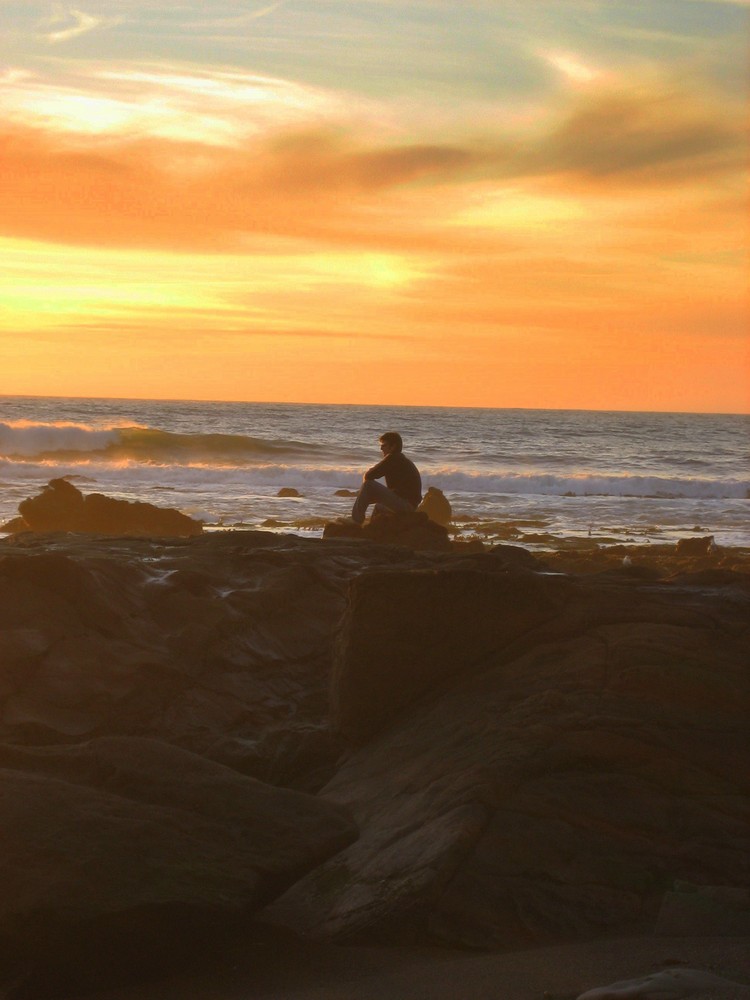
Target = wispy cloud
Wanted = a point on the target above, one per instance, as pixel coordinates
(82, 24)
(255, 14)
(214, 107)
(572, 67)
(355, 187)
(650, 134)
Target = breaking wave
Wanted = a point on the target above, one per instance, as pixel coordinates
(68, 442)
(185, 460)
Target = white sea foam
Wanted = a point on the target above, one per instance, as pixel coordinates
(276, 475)
(611, 473)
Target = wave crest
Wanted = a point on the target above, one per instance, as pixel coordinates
(184, 459)
(24, 439)
(80, 443)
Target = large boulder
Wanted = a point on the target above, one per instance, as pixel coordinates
(587, 751)
(62, 507)
(134, 837)
(404, 633)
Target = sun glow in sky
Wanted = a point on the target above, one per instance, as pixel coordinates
(491, 203)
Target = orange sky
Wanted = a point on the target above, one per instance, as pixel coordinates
(361, 201)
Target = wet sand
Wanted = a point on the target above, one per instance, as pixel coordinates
(286, 968)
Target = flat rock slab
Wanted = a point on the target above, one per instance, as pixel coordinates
(113, 829)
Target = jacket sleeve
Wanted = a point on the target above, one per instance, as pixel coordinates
(377, 471)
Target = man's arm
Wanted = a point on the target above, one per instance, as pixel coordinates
(377, 471)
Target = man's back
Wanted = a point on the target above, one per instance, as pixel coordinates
(401, 475)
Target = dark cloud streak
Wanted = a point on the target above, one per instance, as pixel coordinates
(340, 188)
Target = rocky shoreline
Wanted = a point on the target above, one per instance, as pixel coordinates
(355, 742)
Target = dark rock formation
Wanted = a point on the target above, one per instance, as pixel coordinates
(404, 633)
(704, 909)
(288, 491)
(436, 506)
(102, 833)
(62, 507)
(695, 546)
(528, 755)
(344, 528)
(414, 530)
(672, 984)
(14, 525)
(220, 644)
(587, 749)
(215, 836)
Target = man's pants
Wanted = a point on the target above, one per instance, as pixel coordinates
(374, 492)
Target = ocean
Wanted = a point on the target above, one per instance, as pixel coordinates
(538, 478)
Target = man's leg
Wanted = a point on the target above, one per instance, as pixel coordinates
(374, 492)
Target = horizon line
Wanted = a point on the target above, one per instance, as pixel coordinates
(414, 406)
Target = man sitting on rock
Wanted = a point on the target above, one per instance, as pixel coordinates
(403, 484)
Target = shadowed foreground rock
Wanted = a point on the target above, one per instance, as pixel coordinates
(414, 530)
(671, 984)
(133, 837)
(221, 644)
(405, 633)
(528, 756)
(586, 748)
(62, 507)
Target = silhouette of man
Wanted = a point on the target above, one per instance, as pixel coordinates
(403, 484)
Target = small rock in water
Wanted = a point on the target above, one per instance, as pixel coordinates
(62, 507)
(345, 493)
(288, 491)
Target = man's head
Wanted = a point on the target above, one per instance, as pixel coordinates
(391, 442)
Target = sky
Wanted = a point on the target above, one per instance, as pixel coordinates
(502, 203)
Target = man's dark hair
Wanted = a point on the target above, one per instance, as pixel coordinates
(392, 438)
